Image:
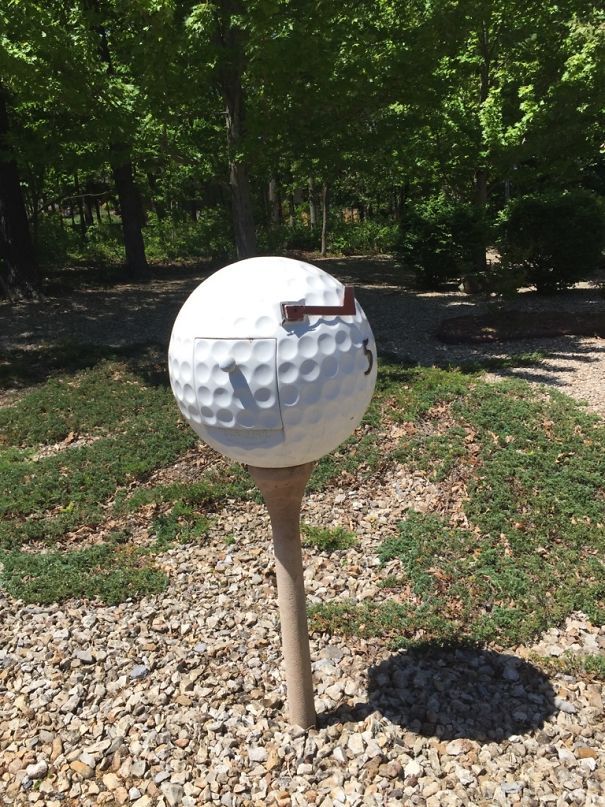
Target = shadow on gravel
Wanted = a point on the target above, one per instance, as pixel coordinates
(455, 693)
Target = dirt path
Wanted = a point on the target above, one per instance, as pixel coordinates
(405, 323)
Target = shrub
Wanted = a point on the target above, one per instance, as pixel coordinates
(362, 237)
(344, 238)
(56, 240)
(328, 539)
(284, 237)
(500, 279)
(555, 238)
(208, 237)
(438, 239)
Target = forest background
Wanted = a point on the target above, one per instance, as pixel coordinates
(134, 131)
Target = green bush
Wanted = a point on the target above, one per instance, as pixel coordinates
(439, 239)
(209, 237)
(281, 238)
(344, 238)
(56, 241)
(362, 237)
(103, 243)
(556, 239)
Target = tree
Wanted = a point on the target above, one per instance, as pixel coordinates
(16, 247)
(508, 97)
(221, 37)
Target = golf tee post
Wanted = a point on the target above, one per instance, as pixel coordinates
(282, 490)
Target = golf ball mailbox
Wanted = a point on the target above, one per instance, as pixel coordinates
(272, 363)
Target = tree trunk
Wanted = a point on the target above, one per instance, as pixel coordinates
(312, 204)
(192, 207)
(20, 271)
(230, 40)
(274, 203)
(241, 206)
(82, 221)
(239, 184)
(35, 183)
(129, 200)
(324, 218)
(88, 204)
(480, 260)
(401, 194)
(131, 213)
(157, 206)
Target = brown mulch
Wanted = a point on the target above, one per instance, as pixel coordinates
(503, 325)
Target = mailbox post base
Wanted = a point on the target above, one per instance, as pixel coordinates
(282, 490)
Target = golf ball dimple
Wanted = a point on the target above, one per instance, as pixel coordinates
(264, 391)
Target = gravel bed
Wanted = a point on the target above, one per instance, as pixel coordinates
(179, 699)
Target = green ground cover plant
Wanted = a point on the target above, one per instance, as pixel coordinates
(532, 462)
(327, 539)
(106, 571)
(74, 451)
(591, 664)
(534, 546)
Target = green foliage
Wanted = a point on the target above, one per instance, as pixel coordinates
(360, 454)
(94, 403)
(284, 237)
(134, 429)
(214, 487)
(327, 539)
(419, 101)
(402, 394)
(58, 245)
(439, 239)
(497, 278)
(438, 453)
(362, 237)
(595, 665)
(411, 392)
(180, 523)
(210, 236)
(591, 665)
(165, 241)
(533, 550)
(533, 463)
(41, 363)
(108, 572)
(56, 242)
(556, 239)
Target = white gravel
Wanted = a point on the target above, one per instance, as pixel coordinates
(179, 699)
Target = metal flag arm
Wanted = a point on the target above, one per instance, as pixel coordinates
(296, 312)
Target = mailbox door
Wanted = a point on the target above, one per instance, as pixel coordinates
(236, 383)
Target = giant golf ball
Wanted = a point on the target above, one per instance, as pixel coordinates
(261, 389)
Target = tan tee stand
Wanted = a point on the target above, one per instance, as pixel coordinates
(282, 490)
